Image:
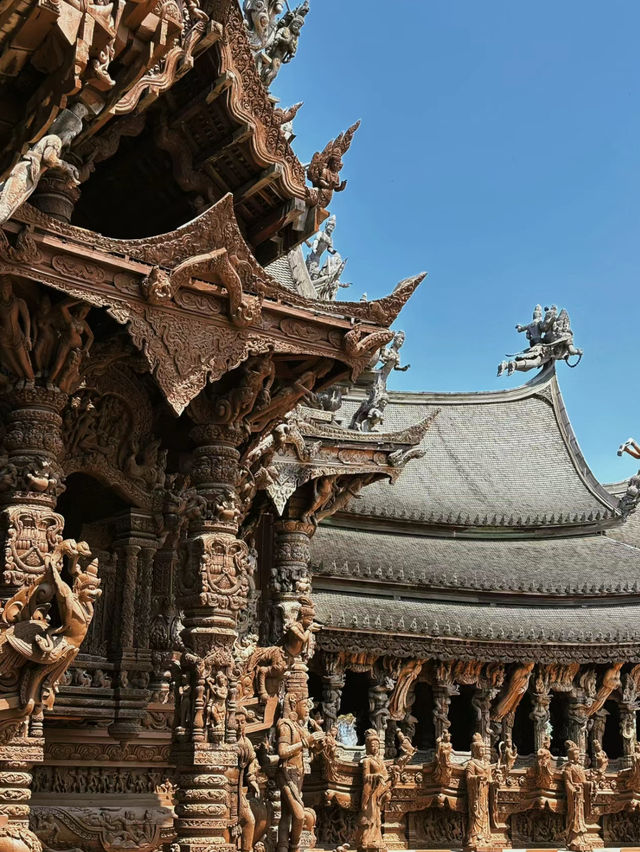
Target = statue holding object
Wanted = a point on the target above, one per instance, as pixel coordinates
(550, 338)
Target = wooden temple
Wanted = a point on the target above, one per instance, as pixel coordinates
(223, 626)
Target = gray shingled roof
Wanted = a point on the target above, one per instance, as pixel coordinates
(378, 615)
(572, 565)
(497, 459)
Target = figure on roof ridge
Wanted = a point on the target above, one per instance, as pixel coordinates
(323, 242)
(274, 42)
(551, 339)
(370, 413)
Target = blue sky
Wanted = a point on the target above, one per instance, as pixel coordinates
(498, 151)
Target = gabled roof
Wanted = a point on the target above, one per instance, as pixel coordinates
(495, 462)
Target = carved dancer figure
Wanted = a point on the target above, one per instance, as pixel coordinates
(330, 752)
(406, 748)
(376, 794)
(575, 781)
(553, 342)
(15, 331)
(44, 155)
(75, 336)
(216, 708)
(247, 783)
(442, 760)
(293, 740)
(478, 779)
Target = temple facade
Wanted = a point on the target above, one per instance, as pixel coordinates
(251, 598)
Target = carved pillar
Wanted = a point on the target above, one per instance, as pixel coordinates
(333, 678)
(212, 589)
(541, 718)
(290, 594)
(16, 763)
(578, 722)
(135, 544)
(442, 693)
(596, 731)
(55, 194)
(32, 482)
(483, 696)
(290, 575)
(380, 689)
(628, 731)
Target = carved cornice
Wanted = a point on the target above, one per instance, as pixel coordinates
(183, 326)
(249, 100)
(403, 646)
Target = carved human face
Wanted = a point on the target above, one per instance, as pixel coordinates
(302, 709)
(373, 746)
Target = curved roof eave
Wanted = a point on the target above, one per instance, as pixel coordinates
(598, 509)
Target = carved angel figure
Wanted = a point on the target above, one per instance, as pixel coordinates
(370, 412)
(551, 339)
(325, 167)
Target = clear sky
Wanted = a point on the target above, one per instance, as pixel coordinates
(499, 151)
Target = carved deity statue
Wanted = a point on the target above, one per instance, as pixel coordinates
(575, 783)
(44, 155)
(323, 242)
(543, 767)
(281, 43)
(551, 339)
(327, 283)
(478, 777)
(366, 417)
(376, 794)
(442, 760)
(294, 739)
(507, 756)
